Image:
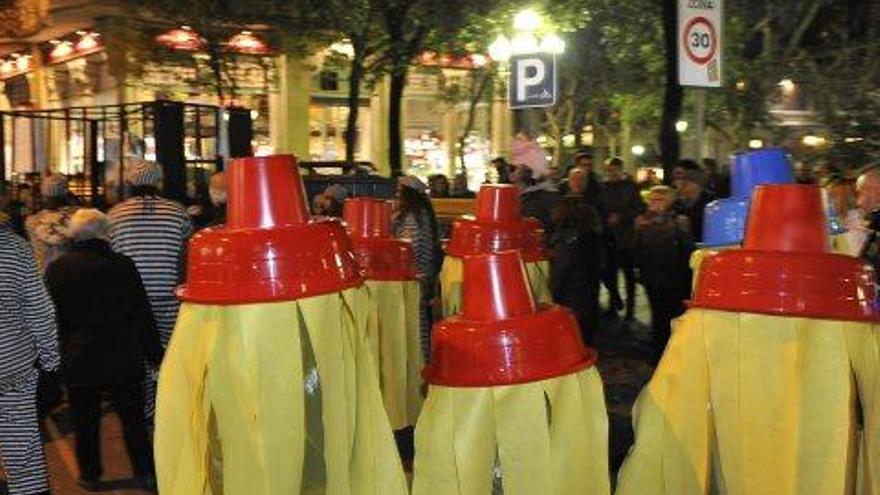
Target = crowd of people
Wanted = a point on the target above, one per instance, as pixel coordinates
(90, 295)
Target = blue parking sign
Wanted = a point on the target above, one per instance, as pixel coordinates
(532, 80)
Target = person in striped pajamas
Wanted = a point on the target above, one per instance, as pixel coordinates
(28, 342)
(152, 231)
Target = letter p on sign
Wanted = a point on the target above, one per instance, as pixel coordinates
(532, 81)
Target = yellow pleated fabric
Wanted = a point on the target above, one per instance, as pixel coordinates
(538, 273)
(274, 398)
(394, 336)
(748, 404)
(545, 438)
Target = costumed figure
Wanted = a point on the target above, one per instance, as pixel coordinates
(767, 375)
(515, 402)
(268, 385)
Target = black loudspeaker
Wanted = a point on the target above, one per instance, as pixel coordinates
(241, 132)
(168, 131)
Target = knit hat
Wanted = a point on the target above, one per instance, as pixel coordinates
(412, 182)
(526, 152)
(54, 186)
(143, 173)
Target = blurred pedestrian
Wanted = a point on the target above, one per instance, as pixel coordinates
(460, 187)
(416, 222)
(717, 182)
(152, 230)
(663, 245)
(502, 167)
(106, 331)
(692, 199)
(330, 202)
(28, 344)
(620, 204)
(438, 186)
(217, 193)
(588, 180)
(576, 262)
(47, 228)
(530, 173)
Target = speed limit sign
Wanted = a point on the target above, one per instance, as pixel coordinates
(699, 42)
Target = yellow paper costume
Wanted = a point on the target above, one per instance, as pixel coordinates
(533, 424)
(496, 227)
(269, 384)
(765, 379)
(387, 265)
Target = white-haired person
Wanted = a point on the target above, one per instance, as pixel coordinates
(106, 330)
(152, 230)
(28, 343)
(47, 228)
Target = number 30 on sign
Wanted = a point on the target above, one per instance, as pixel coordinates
(699, 42)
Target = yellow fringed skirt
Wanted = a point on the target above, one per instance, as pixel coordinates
(394, 336)
(274, 398)
(542, 438)
(748, 404)
(537, 272)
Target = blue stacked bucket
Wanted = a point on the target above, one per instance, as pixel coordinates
(724, 220)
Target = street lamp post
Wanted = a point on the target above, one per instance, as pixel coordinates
(530, 35)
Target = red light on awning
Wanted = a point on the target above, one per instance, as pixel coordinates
(248, 43)
(182, 38)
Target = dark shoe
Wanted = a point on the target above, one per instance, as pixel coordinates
(630, 315)
(89, 485)
(610, 313)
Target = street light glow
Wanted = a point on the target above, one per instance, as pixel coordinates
(813, 141)
(500, 49)
(524, 43)
(756, 144)
(787, 86)
(552, 44)
(681, 125)
(527, 20)
(638, 150)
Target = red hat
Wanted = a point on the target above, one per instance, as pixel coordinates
(497, 227)
(380, 256)
(500, 337)
(786, 266)
(269, 249)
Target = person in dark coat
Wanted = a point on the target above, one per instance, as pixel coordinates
(692, 199)
(106, 331)
(530, 172)
(663, 245)
(576, 262)
(868, 200)
(620, 204)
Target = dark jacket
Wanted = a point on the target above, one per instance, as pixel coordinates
(694, 213)
(537, 201)
(576, 266)
(106, 327)
(663, 248)
(621, 198)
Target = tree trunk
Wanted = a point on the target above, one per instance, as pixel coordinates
(354, 95)
(670, 146)
(479, 83)
(395, 118)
